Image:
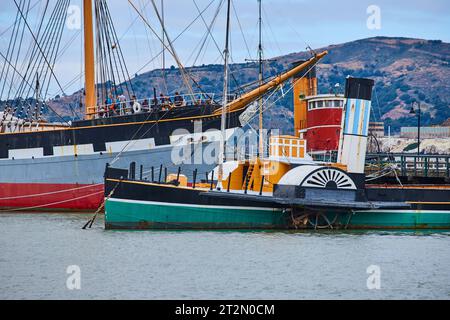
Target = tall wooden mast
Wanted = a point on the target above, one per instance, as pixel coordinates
(226, 53)
(89, 62)
(260, 101)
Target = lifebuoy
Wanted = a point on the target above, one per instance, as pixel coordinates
(137, 108)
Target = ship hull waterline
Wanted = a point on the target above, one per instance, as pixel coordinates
(137, 214)
(76, 183)
(54, 170)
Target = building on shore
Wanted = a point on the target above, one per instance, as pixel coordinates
(376, 129)
(425, 132)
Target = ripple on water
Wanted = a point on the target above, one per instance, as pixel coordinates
(37, 248)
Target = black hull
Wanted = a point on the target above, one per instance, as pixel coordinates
(100, 131)
(420, 198)
(144, 191)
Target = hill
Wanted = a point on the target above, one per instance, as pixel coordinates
(404, 70)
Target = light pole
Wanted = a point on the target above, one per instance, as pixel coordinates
(413, 111)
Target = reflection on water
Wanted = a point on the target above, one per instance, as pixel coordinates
(36, 250)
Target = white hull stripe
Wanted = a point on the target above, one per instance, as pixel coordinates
(404, 211)
(192, 205)
(117, 146)
(87, 149)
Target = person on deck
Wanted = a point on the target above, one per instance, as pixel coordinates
(145, 106)
(111, 106)
(155, 103)
(117, 106)
(108, 103)
(165, 102)
(123, 104)
(101, 112)
(133, 100)
(178, 100)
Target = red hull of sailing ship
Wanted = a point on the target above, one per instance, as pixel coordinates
(46, 196)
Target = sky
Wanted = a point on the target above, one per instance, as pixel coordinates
(288, 26)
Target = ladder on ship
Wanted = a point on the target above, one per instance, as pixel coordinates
(249, 176)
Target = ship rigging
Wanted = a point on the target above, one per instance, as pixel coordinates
(59, 165)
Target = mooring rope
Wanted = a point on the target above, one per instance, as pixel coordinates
(90, 222)
(51, 192)
(50, 204)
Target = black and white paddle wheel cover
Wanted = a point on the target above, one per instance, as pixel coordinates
(318, 177)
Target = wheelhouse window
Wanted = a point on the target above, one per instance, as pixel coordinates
(332, 103)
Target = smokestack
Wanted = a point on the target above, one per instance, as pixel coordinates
(355, 124)
(304, 84)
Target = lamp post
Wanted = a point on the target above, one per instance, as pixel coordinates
(413, 111)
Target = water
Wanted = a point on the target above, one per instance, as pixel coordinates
(36, 250)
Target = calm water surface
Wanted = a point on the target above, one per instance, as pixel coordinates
(36, 249)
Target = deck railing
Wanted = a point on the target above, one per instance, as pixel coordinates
(149, 104)
(428, 165)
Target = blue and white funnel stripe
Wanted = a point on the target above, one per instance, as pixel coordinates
(355, 124)
(357, 117)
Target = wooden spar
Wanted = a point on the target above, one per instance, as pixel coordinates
(89, 63)
(251, 96)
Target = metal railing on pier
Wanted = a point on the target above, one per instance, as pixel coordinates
(423, 165)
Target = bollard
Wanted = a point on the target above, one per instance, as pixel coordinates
(195, 178)
(212, 179)
(132, 174)
(261, 187)
(229, 182)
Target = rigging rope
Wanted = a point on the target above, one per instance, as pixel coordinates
(209, 32)
(40, 49)
(183, 71)
(240, 28)
(51, 192)
(51, 39)
(91, 221)
(112, 69)
(52, 203)
(31, 8)
(18, 53)
(176, 38)
(9, 52)
(33, 64)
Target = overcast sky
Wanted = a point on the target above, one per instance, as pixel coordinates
(288, 26)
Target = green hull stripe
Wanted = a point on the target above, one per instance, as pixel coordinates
(397, 219)
(185, 205)
(127, 212)
(156, 215)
